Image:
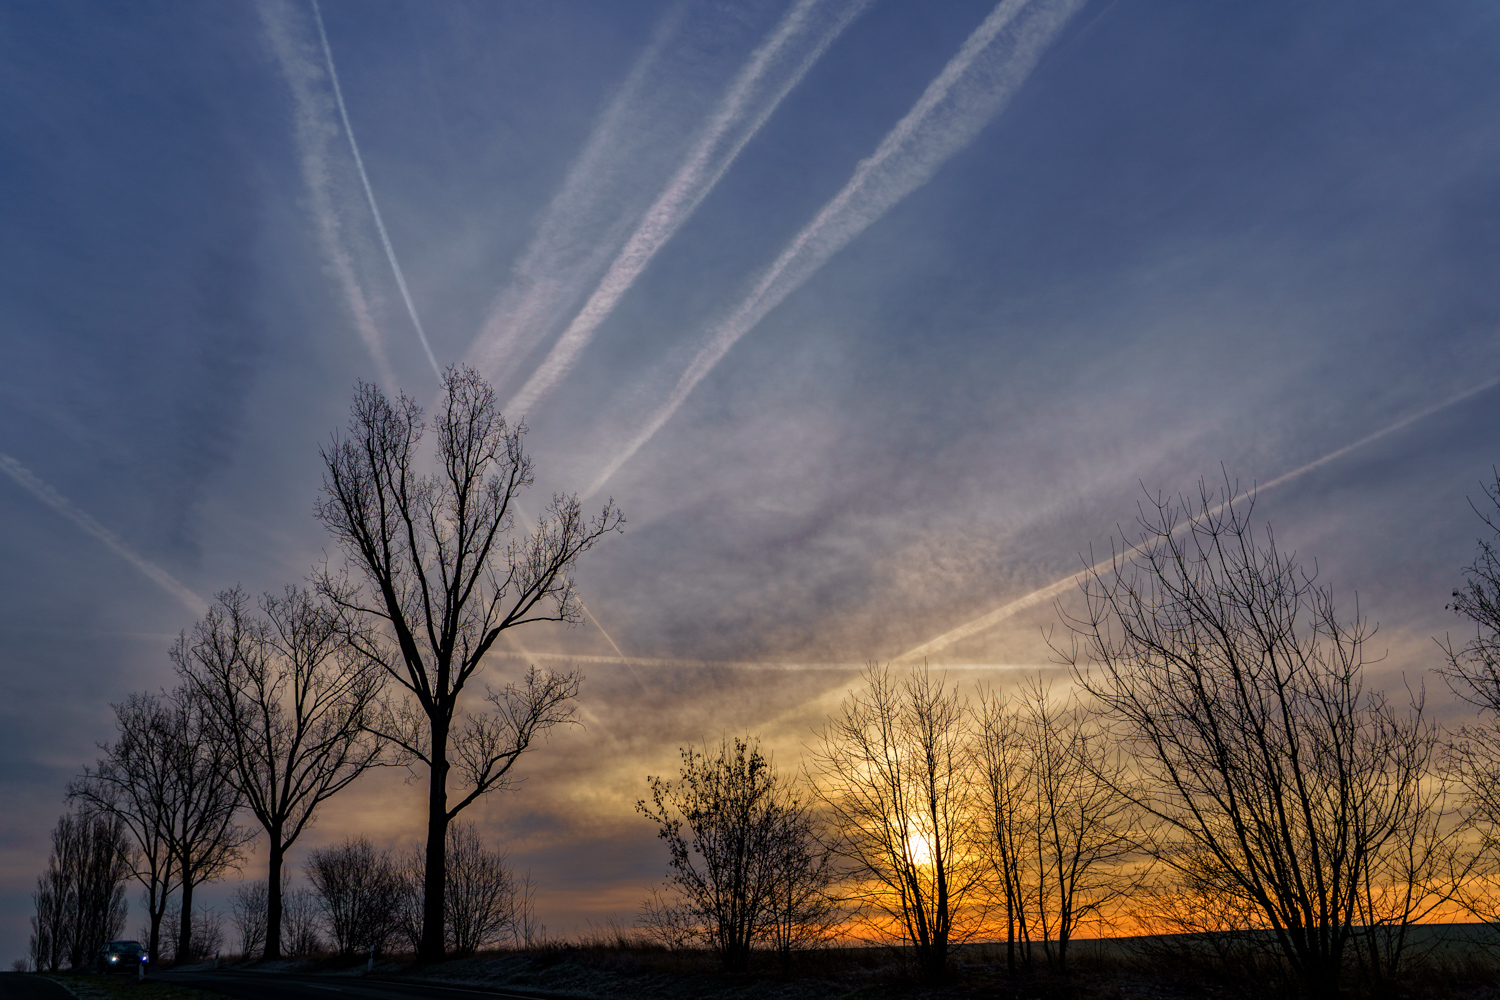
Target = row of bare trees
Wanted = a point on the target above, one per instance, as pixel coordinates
(285, 702)
(1215, 764)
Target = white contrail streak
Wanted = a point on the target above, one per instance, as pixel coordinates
(977, 82)
(580, 228)
(315, 133)
(364, 179)
(1053, 590)
(49, 496)
(751, 99)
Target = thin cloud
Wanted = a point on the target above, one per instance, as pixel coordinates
(778, 65)
(316, 132)
(977, 82)
(1057, 589)
(34, 485)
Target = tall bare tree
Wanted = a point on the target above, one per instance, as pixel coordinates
(1275, 778)
(439, 573)
(291, 700)
(80, 898)
(1061, 833)
(895, 770)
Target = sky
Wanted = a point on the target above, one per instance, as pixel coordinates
(875, 317)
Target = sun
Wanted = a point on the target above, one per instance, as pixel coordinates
(919, 848)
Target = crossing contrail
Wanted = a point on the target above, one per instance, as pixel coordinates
(1057, 589)
(977, 82)
(34, 485)
(582, 225)
(313, 127)
(778, 65)
(364, 179)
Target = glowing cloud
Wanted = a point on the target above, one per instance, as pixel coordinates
(977, 82)
(1054, 590)
(778, 65)
(49, 496)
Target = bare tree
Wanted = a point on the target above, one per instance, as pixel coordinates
(1427, 861)
(80, 898)
(103, 863)
(359, 889)
(896, 772)
(481, 896)
(206, 840)
(247, 908)
(744, 859)
(1060, 831)
(1275, 778)
(290, 700)
(136, 781)
(666, 920)
(804, 909)
(443, 574)
(526, 931)
(300, 910)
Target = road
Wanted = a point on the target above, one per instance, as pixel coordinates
(15, 986)
(273, 986)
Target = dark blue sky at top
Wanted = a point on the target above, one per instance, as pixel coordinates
(1199, 233)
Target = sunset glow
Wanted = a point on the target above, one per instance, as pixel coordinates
(885, 327)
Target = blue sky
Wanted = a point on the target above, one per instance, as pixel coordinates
(846, 408)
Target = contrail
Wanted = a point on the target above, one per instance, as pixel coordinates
(581, 225)
(751, 99)
(49, 496)
(850, 666)
(315, 133)
(1054, 590)
(977, 82)
(364, 179)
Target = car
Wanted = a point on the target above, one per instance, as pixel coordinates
(122, 956)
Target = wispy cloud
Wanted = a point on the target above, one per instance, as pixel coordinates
(34, 485)
(315, 126)
(784, 665)
(364, 180)
(1068, 583)
(773, 69)
(977, 82)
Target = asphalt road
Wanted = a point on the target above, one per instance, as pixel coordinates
(15, 986)
(273, 986)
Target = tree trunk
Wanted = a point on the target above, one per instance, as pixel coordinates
(272, 949)
(155, 941)
(185, 925)
(433, 944)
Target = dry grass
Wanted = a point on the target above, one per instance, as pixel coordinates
(96, 987)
